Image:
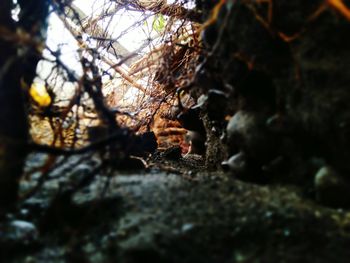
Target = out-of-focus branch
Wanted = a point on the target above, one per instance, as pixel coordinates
(112, 46)
(116, 67)
(161, 7)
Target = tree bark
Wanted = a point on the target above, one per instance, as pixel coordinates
(17, 65)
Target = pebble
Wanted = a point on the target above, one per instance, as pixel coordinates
(20, 231)
(246, 131)
(187, 227)
(331, 189)
(236, 164)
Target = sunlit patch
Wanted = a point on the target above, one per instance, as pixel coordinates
(120, 49)
(39, 94)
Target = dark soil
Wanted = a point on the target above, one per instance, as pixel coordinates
(176, 212)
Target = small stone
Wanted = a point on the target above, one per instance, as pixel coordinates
(187, 227)
(22, 224)
(29, 259)
(317, 214)
(236, 164)
(278, 123)
(240, 256)
(80, 171)
(246, 131)
(286, 232)
(22, 230)
(268, 214)
(197, 142)
(24, 212)
(190, 173)
(331, 189)
(201, 100)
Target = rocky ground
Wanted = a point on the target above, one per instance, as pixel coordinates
(278, 74)
(176, 211)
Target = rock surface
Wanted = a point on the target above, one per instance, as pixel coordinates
(286, 59)
(195, 216)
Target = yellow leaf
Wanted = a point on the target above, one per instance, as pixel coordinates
(39, 94)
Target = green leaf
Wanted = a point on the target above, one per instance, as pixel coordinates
(159, 23)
